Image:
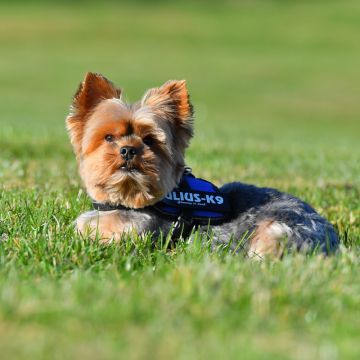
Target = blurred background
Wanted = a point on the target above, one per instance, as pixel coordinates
(276, 89)
(275, 83)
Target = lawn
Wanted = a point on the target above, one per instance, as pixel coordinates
(275, 85)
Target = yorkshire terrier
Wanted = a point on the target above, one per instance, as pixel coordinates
(131, 160)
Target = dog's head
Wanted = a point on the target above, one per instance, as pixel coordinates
(130, 154)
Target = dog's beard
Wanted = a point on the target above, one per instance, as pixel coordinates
(134, 184)
(132, 188)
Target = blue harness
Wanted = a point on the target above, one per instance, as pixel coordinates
(193, 202)
(195, 199)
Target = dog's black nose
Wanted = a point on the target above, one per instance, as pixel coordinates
(128, 152)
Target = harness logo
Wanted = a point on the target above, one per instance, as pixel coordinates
(190, 198)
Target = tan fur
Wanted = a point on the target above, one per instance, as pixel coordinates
(268, 239)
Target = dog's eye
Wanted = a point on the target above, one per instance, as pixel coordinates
(109, 138)
(148, 140)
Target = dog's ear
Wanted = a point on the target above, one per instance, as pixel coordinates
(90, 93)
(171, 102)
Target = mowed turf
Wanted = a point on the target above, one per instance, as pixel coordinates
(276, 91)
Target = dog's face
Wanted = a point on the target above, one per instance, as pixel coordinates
(130, 154)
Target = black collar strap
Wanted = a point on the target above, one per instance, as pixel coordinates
(108, 206)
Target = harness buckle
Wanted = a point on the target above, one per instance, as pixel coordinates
(182, 229)
(187, 170)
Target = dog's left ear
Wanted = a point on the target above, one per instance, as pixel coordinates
(171, 102)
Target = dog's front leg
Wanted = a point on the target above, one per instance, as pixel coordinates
(107, 226)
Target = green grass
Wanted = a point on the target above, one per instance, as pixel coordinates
(275, 86)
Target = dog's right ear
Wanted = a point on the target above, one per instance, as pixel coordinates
(90, 93)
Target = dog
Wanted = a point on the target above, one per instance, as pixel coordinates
(131, 161)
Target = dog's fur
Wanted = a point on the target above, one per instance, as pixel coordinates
(159, 128)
